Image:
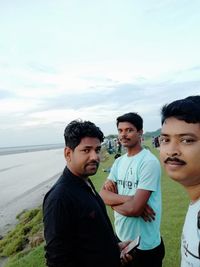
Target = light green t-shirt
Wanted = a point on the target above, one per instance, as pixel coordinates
(141, 171)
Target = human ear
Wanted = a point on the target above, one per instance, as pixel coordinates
(67, 154)
(140, 133)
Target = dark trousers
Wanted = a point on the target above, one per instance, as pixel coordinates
(148, 258)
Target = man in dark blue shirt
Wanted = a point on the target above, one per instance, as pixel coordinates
(77, 229)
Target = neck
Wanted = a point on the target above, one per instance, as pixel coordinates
(72, 170)
(131, 151)
(194, 192)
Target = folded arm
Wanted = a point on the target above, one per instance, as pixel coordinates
(110, 195)
(137, 206)
(128, 205)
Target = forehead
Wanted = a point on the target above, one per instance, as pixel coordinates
(173, 126)
(125, 125)
(90, 142)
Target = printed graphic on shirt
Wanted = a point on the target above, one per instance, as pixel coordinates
(125, 184)
(129, 181)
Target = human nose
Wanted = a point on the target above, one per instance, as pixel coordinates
(122, 134)
(173, 154)
(173, 150)
(94, 156)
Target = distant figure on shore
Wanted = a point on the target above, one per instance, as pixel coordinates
(77, 229)
(180, 156)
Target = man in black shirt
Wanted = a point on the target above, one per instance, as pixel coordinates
(77, 229)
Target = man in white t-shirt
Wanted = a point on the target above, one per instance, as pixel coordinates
(132, 189)
(180, 156)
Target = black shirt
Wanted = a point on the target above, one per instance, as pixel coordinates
(77, 229)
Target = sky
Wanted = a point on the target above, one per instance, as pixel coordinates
(93, 60)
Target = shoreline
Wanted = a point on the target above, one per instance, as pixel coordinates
(31, 199)
(24, 180)
(26, 149)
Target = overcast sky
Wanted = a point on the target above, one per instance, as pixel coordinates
(67, 59)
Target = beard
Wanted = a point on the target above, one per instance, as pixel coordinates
(91, 168)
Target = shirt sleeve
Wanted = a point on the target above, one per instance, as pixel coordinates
(149, 175)
(57, 225)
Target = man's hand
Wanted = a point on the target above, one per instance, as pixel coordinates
(110, 186)
(148, 214)
(127, 257)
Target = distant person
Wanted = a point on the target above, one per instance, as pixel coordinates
(156, 141)
(180, 156)
(119, 146)
(77, 229)
(133, 191)
(117, 156)
(110, 146)
(153, 141)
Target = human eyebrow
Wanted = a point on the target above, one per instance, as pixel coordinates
(126, 129)
(188, 134)
(164, 134)
(86, 147)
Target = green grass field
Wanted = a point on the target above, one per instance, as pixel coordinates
(175, 203)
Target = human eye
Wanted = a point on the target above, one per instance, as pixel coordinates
(187, 140)
(130, 130)
(163, 140)
(86, 150)
(98, 150)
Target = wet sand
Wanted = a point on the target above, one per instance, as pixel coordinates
(24, 180)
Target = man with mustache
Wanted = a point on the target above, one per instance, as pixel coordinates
(132, 189)
(77, 229)
(180, 156)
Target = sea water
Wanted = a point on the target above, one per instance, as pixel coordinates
(23, 149)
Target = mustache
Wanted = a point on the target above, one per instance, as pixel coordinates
(126, 139)
(93, 162)
(174, 159)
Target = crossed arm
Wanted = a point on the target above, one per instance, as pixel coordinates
(128, 205)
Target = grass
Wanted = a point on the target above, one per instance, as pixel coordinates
(175, 202)
(35, 258)
(24, 244)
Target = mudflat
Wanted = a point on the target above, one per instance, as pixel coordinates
(24, 180)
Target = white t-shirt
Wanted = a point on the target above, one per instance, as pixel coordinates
(190, 241)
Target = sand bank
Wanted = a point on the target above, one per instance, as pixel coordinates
(24, 179)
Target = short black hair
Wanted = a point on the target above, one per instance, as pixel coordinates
(133, 118)
(186, 109)
(78, 129)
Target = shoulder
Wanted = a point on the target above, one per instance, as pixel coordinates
(58, 193)
(148, 155)
(121, 160)
(150, 164)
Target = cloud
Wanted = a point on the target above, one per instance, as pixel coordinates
(4, 94)
(93, 61)
(36, 67)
